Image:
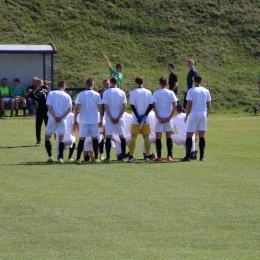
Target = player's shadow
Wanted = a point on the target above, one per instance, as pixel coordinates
(17, 146)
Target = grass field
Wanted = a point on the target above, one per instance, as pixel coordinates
(196, 210)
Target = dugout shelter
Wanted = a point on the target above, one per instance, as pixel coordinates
(27, 61)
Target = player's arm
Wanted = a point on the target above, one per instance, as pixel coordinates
(135, 111)
(107, 61)
(156, 113)
(76, 111)
(108, 112)
(122, 111)
(101, 112)
(65, 113)
(51, 111)
(175, 80)
(208, 103)
(174, 104)
(188, 109)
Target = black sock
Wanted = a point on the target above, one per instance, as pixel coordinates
(95, 147)
(108, 147)
(123, 147)
(169, 146)
(80, 148)
(86, 158)
(101, 146)
(202, 145)
(11, 112)
(48, 147)
(71, 150)
(188, 146)
(3, 112)
(16, 111)
(61, 149)
(24, 109)
(159, 147)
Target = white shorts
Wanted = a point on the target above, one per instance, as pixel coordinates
(67, 142)
(152, 139)
(114, 128)
(165, 127)
(197, 122)
(118, 143)
(90, 130)
(52, 126)
(88, 145)
(181, 140)
(6, 100)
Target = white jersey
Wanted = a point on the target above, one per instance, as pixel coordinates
(69, 124)
(114, 98)
(179, 124)
(59, 101)
(127, 118)
(88, 101)
(164, 99)
(199, 96)
(141, 98)
(152, 119)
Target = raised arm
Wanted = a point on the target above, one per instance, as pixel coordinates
(107, 61)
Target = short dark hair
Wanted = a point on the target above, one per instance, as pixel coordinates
(114, 80)
(119, 65)
(163, 81)
(3, 79)
(198, 78)
(105, 80)
(17, 80)
(38, 80)
(171, 65)
(89, 82)
(179, 107)
(61, 84)
(139, 80)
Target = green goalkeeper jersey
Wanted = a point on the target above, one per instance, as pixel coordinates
(118, 75)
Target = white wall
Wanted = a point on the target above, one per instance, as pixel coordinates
(22, 66)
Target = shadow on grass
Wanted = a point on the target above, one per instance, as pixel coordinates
(17, 146)
(112, 163)
(244, 115)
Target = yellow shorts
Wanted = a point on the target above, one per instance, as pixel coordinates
(144, 131)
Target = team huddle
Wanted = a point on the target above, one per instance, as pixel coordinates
(102, 122)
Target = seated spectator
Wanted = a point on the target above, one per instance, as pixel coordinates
(5, 97)
(31, 102)
(18, 94)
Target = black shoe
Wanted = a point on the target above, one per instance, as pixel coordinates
(202, 159)
(255, 109)
(194, 155)
(185, 159)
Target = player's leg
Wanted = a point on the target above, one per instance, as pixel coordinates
(87, 148)
(38, 126)
(145, 131)
(72, 145)
(61, 129)
(94, 133)
(109, 132)
(169, 145)
(101, 147)
(202, 127)
(120, 130)
(2, 106)
(16, 100)
(11, 101)
(255, 108)
(158, 142)
(134, 131)
(50, 129)
(23, 102)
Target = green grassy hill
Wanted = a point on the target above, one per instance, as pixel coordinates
(222, 36)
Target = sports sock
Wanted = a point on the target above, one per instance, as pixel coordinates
(188, 146)
(169, 146)
(158, 143)
(71, 150)
(193, 146)
(3, 112)
(101, 146)
(123, 147)
(95, 147)
(24, 109)
(202, 145)
(61, 149)
(86, 158)
(48, 147)
(16, 111)
(132, 145)
(108, 147)
(80, 148)
(11, 112)
(147, 145)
